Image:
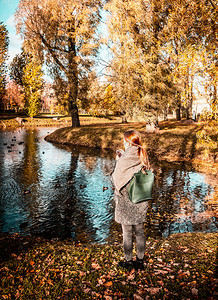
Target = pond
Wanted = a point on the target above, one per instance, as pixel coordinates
(65, 192)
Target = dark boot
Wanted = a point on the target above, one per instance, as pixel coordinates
(139, 265)
(128, 265)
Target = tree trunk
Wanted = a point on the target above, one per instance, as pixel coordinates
(178, 114)
(189, 94)
(75, 117)
(178, 109)
(124, 119)
(187, 113)
(72, 79)
(214, 99)
(73, 110)
(165, 113)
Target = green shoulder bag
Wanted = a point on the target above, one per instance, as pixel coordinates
(140, 186)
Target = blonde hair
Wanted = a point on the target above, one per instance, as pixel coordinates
(134, 138)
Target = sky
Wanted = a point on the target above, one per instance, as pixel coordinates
(7, 10)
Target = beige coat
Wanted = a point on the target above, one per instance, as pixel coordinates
(125, 211)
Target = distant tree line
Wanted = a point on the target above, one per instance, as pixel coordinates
(157, 49)
(4, 44)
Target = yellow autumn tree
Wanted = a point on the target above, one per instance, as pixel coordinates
(100, 98)
(190, 32)
(140, 72)
(155, 46)
(33, 86)
(62, 33)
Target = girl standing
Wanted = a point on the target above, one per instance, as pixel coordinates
(131, 216)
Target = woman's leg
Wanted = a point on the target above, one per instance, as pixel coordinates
(127, 241)
(140, 240)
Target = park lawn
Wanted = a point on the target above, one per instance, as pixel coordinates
(181, 266)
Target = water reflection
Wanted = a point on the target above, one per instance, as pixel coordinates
(66, 192)
(179, 203)
(54, 191)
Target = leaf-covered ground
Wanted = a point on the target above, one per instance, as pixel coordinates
(179, 267)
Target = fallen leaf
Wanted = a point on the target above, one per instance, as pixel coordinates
(182, 275)
(100, 281)
(4, 269)
(192, 283)
(96, 266)
(117, 294)
(108, 297)
(194, 292)
(157, 272)
(153, 290)
(137, 297)
(81, 273)
(160, 282)
(108, 284)
(17, 294)
(131, 276)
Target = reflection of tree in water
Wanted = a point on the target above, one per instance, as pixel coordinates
(85, 210)
(28, 172)
(21, 177)
(71, 193)
(30, 166)
(2, 179)
(163, 206)
(61, 201)
(176, 192)
(77, 206)
(94, 196)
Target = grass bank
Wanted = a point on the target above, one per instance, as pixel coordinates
(175, 141)
(179, 267)
(9, 121)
